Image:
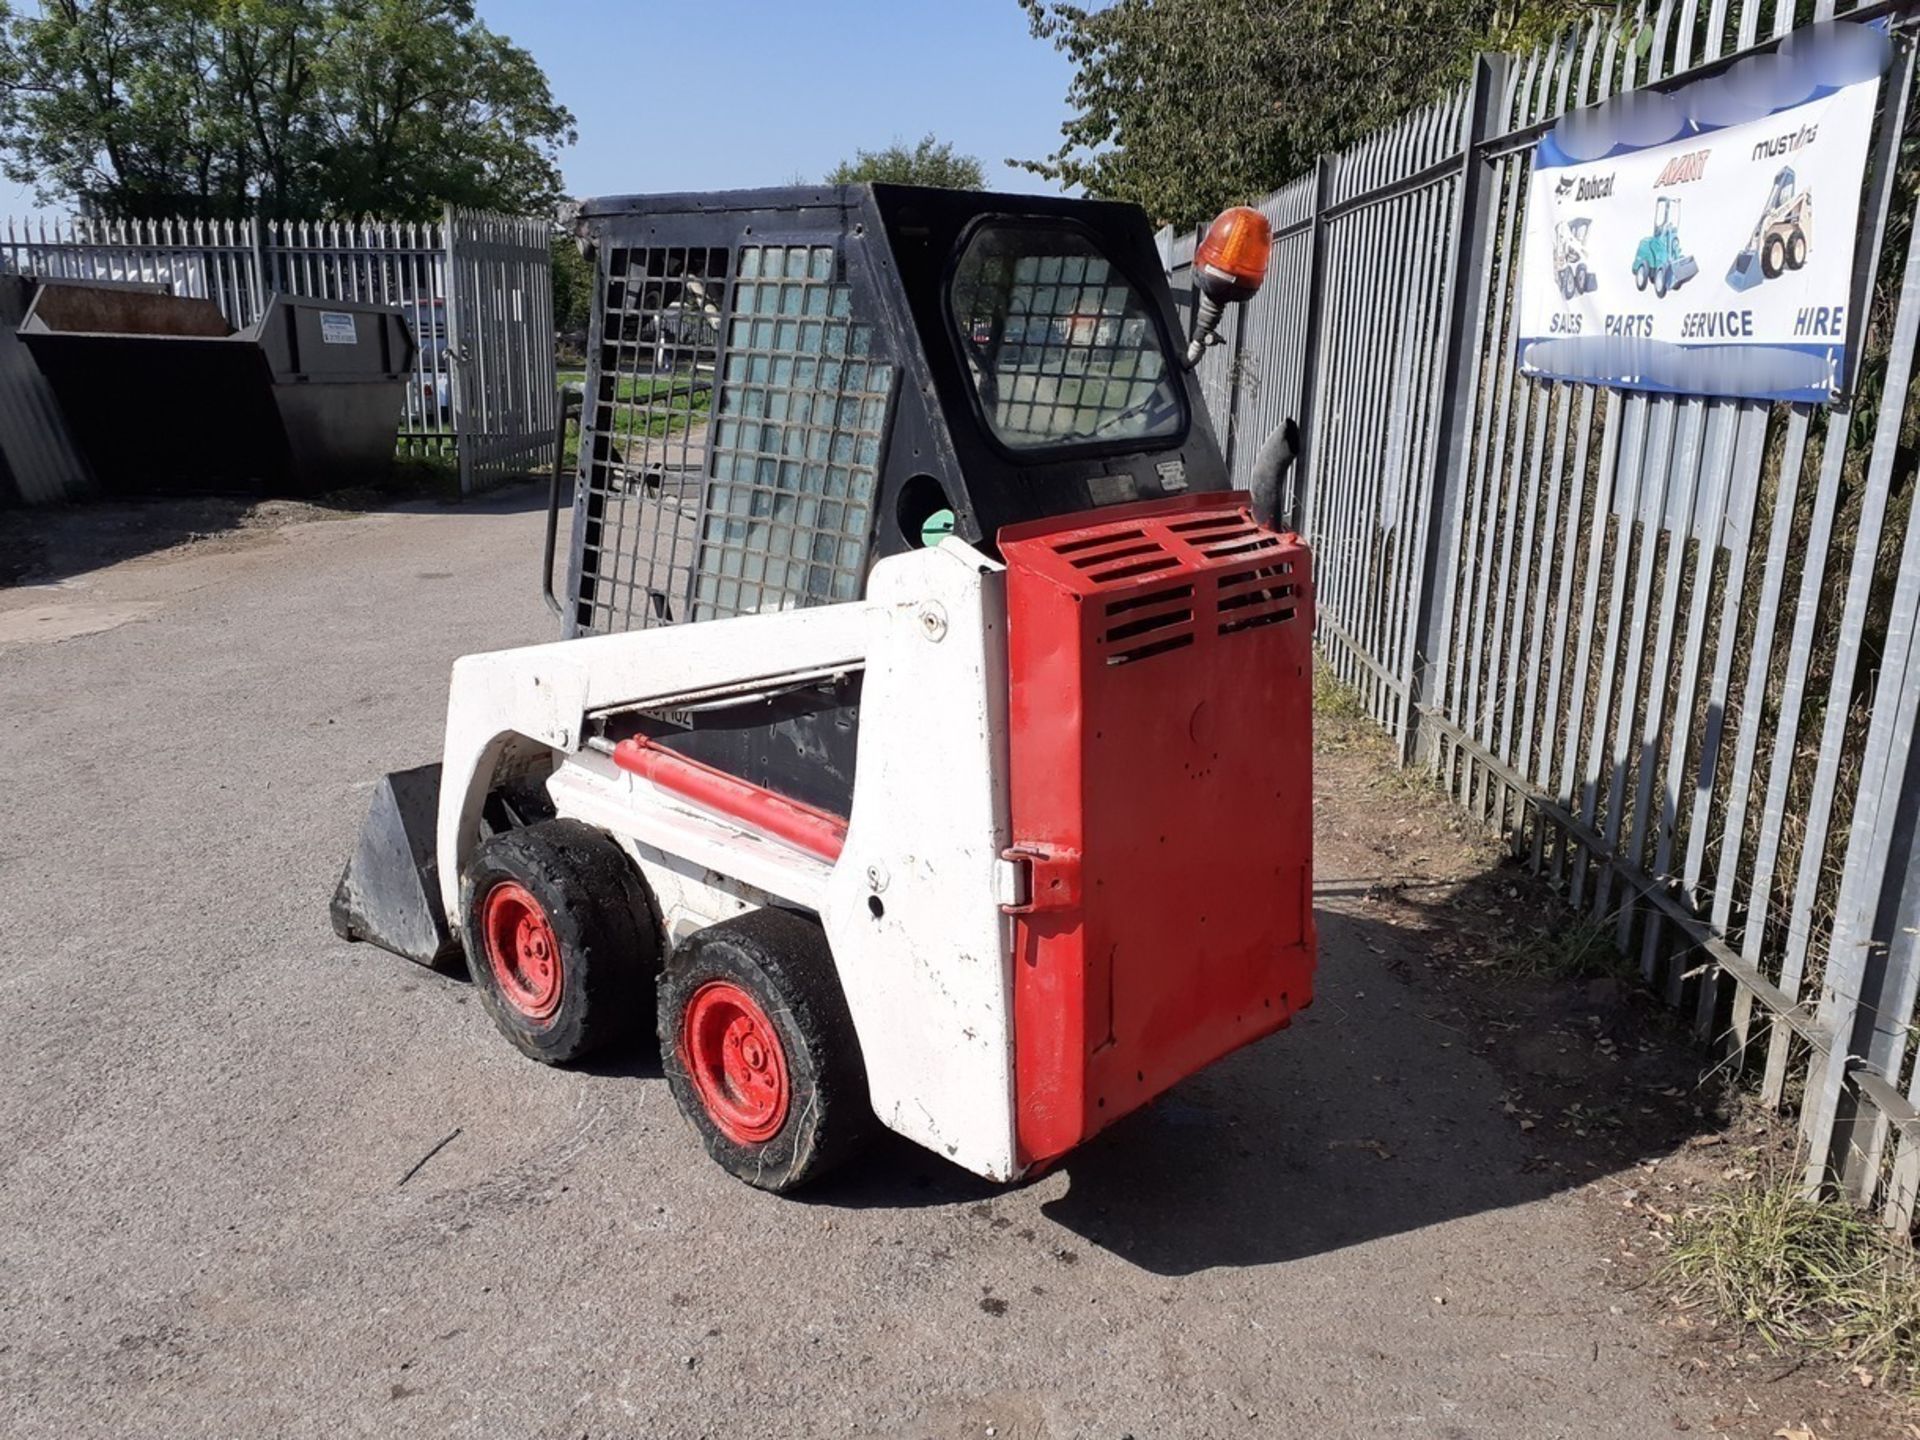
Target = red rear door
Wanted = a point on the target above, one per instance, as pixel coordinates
(1161, 790)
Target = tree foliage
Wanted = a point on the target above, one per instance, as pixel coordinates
(281, 107)
(1187, 106)
(572, 286)
(931, 162)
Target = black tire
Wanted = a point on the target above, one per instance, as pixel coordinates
(1796, 249)
(1773, 257)
(1639, 277)
(1663, 281)
(1579, 280)
(780, 961)
(599, 930)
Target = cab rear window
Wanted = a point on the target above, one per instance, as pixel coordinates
(1062, 348)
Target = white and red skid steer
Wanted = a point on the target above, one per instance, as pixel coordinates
(931, 741)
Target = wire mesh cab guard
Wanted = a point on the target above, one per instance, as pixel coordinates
(785, 386)
(779, 393)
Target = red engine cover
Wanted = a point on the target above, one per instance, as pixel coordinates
(1161, 789)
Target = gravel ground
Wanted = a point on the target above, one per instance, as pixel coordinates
(212, 1108)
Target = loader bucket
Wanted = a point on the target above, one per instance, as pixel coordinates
(1744, 273)
(389, 893)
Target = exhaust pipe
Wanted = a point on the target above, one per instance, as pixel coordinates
(1270, 467)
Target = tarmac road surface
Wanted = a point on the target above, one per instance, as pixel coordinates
(212, 1108)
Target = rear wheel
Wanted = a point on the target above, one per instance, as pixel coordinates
(1663, 281)
(1639, 276)
(1796, 249)
(1579, 280)
(1773, 257)
(760, 1051)
(560, 939)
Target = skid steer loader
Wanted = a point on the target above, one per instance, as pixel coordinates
(930, 738)
(1781, 236)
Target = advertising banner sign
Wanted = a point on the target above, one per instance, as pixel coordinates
(1702, 242)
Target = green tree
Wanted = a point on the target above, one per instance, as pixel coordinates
(281, 107)
(572, 286)
(1187, 106)
(931, 162)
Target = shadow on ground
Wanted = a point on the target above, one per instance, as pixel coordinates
(1421, 1087)
(45, 545)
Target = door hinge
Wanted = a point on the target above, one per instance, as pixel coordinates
(1041, 879)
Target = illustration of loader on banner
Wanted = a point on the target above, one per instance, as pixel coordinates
(1570, 269)
(1780, 238)
(1659, 259)
(1669, 236)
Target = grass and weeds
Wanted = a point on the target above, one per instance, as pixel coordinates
(643, 389)
(1577, 949)
(1343, 722)
(1334, 699)
(424, 475)
(1807, 1275)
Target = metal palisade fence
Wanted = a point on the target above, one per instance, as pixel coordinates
(475, 289)
(1666, 644)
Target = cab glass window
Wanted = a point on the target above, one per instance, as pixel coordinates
(1060, 346)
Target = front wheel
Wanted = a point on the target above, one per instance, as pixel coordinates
(760, 1051)
(1579, 280)
(560, 939)
(1639, 277)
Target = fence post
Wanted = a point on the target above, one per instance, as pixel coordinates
(1300, 512)
(1472, 229)
(456, 351)
(259, 297)
(1231, 445)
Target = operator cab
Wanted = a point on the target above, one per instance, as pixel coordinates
(786, 386)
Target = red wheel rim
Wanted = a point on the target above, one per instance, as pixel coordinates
(733, 1055)
(522, 952)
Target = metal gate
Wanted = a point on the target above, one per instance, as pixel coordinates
(500, 333)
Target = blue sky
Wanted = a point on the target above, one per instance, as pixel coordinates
(722, 93)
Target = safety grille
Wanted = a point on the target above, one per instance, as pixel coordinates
(645, 446)
(734, 428)
(1060, 346)
(797, 446)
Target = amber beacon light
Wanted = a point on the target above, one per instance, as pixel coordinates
(1228, 267)
(1232, 259)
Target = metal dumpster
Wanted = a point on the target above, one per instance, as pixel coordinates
(163, 396)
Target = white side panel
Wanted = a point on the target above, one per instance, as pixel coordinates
(912, 907)
(545, 692)
(912, 910)
(691, 898)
